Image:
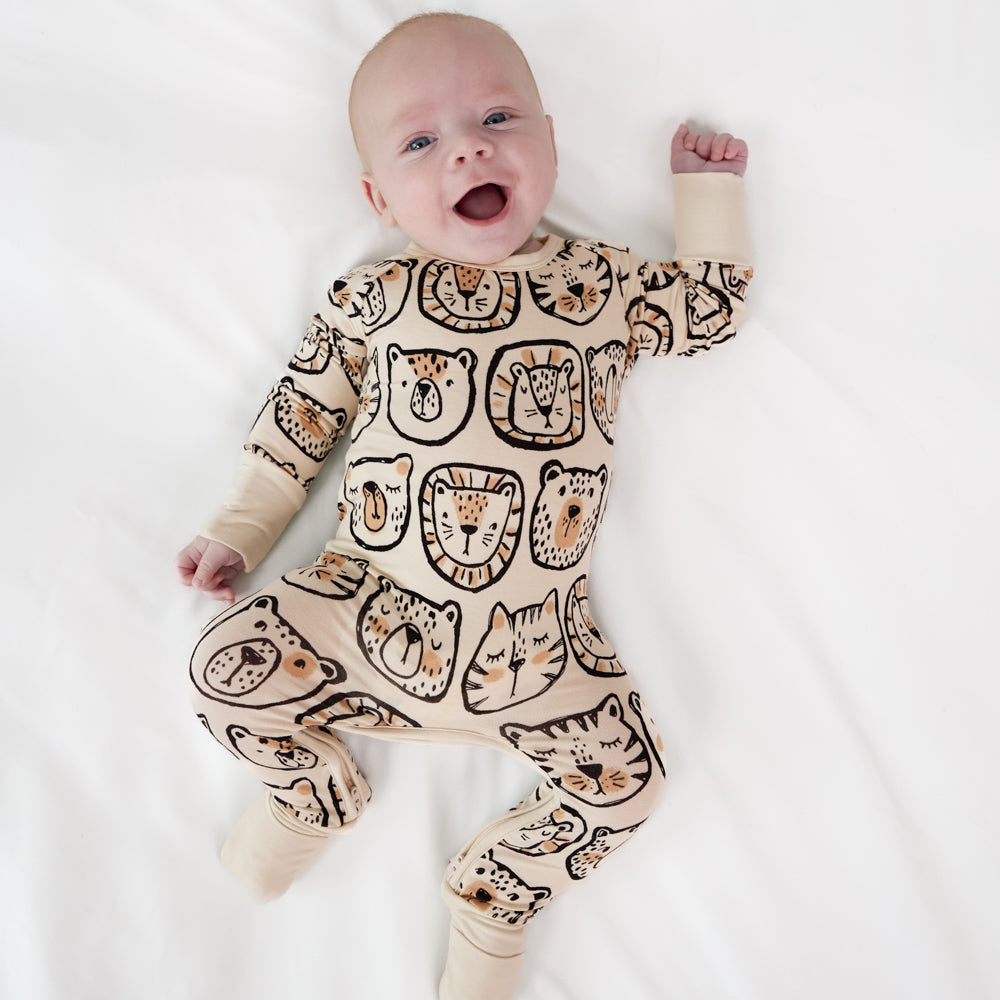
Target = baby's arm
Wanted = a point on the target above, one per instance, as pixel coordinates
(707, 152)
(209, 566)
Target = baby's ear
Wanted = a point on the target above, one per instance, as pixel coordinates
(552, 134)
(373, 195)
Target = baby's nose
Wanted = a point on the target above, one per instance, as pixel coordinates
(471, 146)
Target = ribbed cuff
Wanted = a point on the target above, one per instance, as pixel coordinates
(710, 218)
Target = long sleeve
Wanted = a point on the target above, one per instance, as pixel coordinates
(697, 300)
(304, 415)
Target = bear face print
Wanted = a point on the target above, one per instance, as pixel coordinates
(252, 656)
(470, 521)
(592, 651)
(379, 491)
(430, 393)
(279, 753)
(374, 295)
(596, 757)
(607, 368)
(520, 657)
(566, 514)
(410, 641)
(575, 286)
(306, 422)
(498, 893)
(535, 395)
(470, 299)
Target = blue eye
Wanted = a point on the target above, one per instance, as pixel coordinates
(497, 118)
(417, 144)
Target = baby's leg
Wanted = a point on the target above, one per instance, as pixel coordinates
(604, 779)
(256, 670)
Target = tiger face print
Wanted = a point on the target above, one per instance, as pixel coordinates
(470, 520)
(575, 287)
(470, 299)
(596, 757)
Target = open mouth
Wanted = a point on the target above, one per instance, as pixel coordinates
(482, 203)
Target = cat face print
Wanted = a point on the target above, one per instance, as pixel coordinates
(467, 298)
(596, 757)
(470, 520)
(519, 657)
(430, 393)
(410, 640)
(535, 395)
(498, 893)
(252, 656)
(566, 514)
(575, 286)
(379, 493)
(607, 374)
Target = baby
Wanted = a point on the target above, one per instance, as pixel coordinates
(482, 369)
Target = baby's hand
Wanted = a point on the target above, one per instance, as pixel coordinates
(209, 566)
(707, 151)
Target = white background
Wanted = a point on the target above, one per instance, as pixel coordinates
(798, 565)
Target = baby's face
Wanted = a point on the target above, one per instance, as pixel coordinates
(459, 151)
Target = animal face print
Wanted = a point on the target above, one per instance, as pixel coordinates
(709, 311)
(410, 641)
(275, 667)
(300, 799)
(280, 753)
(468, 298)
(309, 425)
(357, 709)
(519, 657)
(566, 514)
(496, 892)
(332, 575)
(575, 287)
(313, 354)
(607, 374)
(379, 490)
(286, 467)
(374, 295)
(652, 330)
(369, 398)
(653, 739)
(604, 841)
(596, 757)
(548, 834)
(593, 652)
(470, 520)
(535, 395)
(431, 393)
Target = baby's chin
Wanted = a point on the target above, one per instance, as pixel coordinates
(482, 253)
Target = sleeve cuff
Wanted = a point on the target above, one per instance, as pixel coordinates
(710, 218)
(261, 502)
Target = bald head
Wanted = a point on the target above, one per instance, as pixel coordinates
(424, 36)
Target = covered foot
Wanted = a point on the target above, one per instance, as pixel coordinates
(472, 974)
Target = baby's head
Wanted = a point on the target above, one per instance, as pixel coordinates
(457, 149)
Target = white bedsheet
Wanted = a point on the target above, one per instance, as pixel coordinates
(798, 565)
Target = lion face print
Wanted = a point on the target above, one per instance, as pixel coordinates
(519, 657)
(467, 298)
(535, 395)
(470, 519)
(591, 649)
(498, 893)
(607, 374)
(410, 640)
(596, 757)
(379, 493)
(576, 285)
(430, 393)
(566, 514)
(252, 656)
